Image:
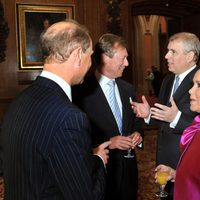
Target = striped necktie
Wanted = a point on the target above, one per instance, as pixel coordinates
(176, 84)
(112, 100)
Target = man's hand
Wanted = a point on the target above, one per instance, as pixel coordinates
(164, 113)
(136, 139)
(125, 142)
(102, 151)
(141, 110)
(121, 142)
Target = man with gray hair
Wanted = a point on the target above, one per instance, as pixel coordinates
(113, 119)
(173, 113)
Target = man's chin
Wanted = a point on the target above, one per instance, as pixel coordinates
(170, 69)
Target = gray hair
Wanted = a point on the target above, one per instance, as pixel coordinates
(190, 43)
(107, 44)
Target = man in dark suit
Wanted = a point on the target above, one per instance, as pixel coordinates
(173, 110)
(93, 97)
(46, 145)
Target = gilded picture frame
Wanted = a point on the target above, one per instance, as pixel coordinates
(32, 20)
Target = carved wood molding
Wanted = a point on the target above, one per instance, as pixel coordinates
(4, 30)
(114, 21)
(178, 8)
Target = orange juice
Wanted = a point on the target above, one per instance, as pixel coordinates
(162, 177)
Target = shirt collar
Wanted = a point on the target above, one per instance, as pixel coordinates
(61, 82)
(103, 80)
(184, 74)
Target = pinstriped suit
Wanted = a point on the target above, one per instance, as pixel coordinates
(47, 149)
(121, 172)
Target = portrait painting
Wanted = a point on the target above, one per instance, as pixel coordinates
(32, 21)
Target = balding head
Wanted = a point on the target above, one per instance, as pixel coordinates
(60, 39)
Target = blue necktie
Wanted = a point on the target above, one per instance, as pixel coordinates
(176, 84)
(114, 105)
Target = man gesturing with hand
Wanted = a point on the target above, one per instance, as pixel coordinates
(173, 113)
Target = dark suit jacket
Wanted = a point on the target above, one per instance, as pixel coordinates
(168, 152)
(121, 172)
(47, 149)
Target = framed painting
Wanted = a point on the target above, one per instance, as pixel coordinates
(32, 21)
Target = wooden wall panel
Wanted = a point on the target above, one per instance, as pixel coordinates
(92, 13)
(95, 18)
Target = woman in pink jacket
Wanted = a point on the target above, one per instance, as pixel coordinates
(187, 174)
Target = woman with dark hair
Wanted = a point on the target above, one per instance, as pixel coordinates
(187, 173)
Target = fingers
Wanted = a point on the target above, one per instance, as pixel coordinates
(144, 100)
(136, 139)
(160, 106)
(126, 143)
(103, 151)
(164, 113)
(121, 142)
(164, 168)
(159, 167)
(105, 144)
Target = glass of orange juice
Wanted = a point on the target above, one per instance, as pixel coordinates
(162, 181)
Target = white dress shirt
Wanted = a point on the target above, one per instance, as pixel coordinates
(175, 121)
(181, 77)
(103, 80)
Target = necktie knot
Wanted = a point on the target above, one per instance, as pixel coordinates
(111, 83)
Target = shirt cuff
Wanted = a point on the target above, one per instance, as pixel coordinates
(147, 119)
(175, 121)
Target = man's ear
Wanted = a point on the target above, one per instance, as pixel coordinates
(105, 58)
(79, 55)
(190, 56)
(76, 56)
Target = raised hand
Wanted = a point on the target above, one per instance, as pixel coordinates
(141, 110)
(164, 113)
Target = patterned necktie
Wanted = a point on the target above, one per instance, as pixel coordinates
(112, 100)
(176, 84)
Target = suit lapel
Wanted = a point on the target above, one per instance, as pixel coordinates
(103, 108)
(185, 85)
(125, 104)
(167, 93)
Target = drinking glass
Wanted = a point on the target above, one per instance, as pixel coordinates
(129, 154)
(162, 181)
